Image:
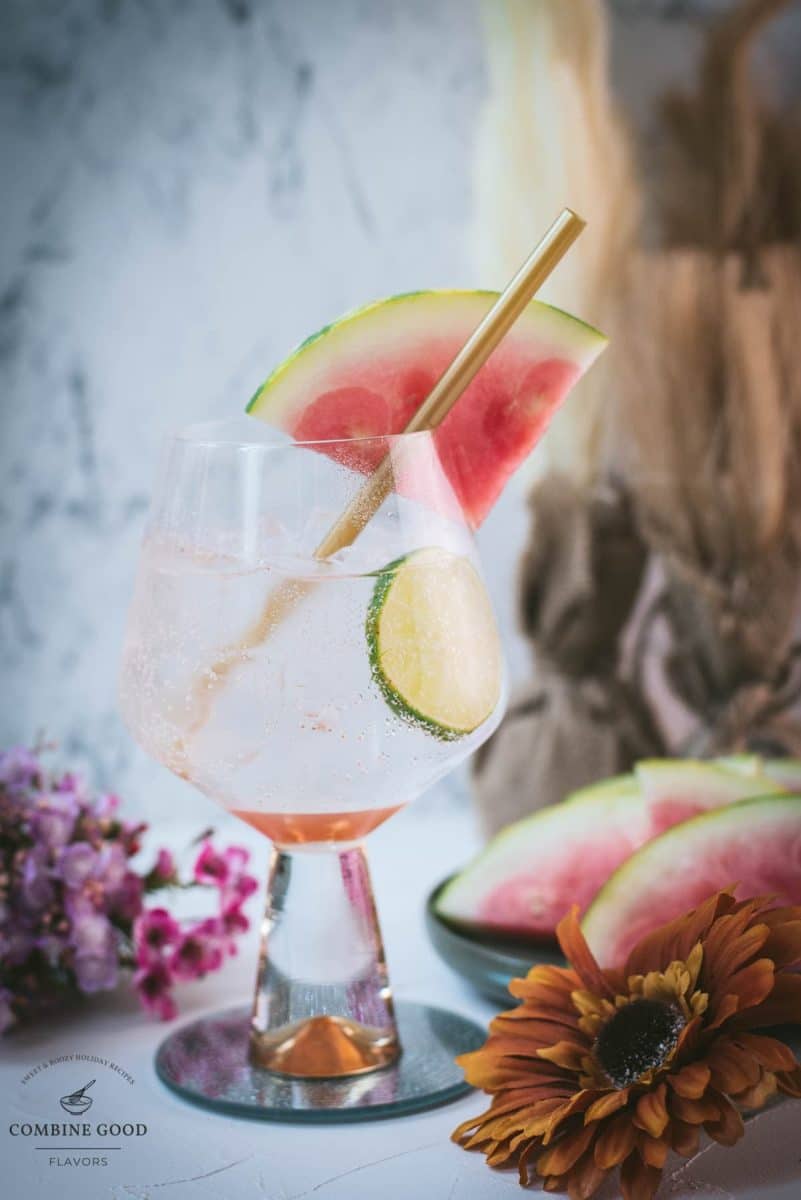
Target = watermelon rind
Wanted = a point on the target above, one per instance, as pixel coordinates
(721, 784)
(668, 864)
(626, 804)
(378, 323)
(744, 764)
(784, 771)
(543, 830)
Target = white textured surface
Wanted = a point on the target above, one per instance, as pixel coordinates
(189, 1153)
(189, 188)
(191, 195)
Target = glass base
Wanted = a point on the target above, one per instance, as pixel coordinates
(324, 1048)
(208, 1062)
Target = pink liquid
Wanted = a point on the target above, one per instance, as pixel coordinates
(299, 829)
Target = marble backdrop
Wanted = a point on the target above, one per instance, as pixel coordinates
(188, 189)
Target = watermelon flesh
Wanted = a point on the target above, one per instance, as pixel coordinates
(754, 844)
(530, 874)
(366, 375)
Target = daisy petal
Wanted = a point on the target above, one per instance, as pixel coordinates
(564, 1054)
(653, 1151)
(676, 939)
(567, 1150)
(579, 955)
(728, 1128)
(638, 1181)
(684, 1138)
(733, 1069)
(790, 1082)
(694, 1112)
(615, 1141)
(651, 1114)
(691, 1081)
(607, 1104)
(782, 1006)
(784, 944)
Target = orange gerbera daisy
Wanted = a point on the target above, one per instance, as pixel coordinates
(604, 1069)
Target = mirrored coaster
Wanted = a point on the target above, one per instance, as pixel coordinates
(207, 1063)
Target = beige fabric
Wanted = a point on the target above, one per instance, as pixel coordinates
(577, 721)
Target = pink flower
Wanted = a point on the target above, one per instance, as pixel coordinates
(211, 866)
(127, 900)
(223, 869)
(234, 921)
(165, 866)
(153, 985)
(196, 954)
(238, 890)
(225, 928)
(154, 930)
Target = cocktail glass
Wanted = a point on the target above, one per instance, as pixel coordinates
(265, 676)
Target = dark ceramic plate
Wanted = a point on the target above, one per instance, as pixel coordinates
(486, 961)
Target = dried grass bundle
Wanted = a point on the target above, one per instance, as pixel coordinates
(708, 429)
(731, 166)
(709, 439)
(551, 134)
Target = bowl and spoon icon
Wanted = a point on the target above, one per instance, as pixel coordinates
(77, 1102)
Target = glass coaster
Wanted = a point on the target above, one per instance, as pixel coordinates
(206, 1062)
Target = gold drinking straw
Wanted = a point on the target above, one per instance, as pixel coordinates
(470, 359)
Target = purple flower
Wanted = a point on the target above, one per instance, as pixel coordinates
(19, 769)
(127, 902)
(16, 943)
(76, 864)
(154, 931)
(100, 877)
(106, 805)
(7, 1017)
(112, 867)
(96, 962)
(97, 972)
(53, 818)
(69, 898)
(35, 886)
(154, 984)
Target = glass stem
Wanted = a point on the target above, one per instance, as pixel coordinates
(323, 1004)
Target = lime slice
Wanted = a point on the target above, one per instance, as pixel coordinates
(434, 648)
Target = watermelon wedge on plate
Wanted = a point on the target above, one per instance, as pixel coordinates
(754, 844)
(366, 375)
(530, 874)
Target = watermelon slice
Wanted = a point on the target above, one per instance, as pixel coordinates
(367, 374)
(755, 844)
(786, 771)
(528, 876)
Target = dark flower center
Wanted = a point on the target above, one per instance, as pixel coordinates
(637, 1038)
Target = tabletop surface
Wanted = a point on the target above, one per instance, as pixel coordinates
(188, 1152)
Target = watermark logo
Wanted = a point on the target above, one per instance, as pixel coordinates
(77, 1103)
(72, 1139)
